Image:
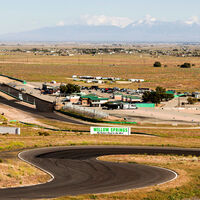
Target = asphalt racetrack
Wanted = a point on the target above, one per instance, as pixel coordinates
(75, 170)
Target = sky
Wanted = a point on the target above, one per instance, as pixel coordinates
(22, 15)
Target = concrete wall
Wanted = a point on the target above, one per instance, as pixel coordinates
(41, 105)
(10, 130)
(44, 106)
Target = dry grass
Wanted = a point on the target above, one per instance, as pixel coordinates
(30, 139)
(14, 172)
(65, 126)
(46, 68)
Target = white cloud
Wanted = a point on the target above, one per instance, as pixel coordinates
(106, 20)
(193, 20)
(147, 20)
(60, 23)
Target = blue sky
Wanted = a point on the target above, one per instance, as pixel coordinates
(20, 15)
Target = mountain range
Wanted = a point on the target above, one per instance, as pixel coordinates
(141, 31)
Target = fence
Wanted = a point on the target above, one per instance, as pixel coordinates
(85, 111)
(145, 105)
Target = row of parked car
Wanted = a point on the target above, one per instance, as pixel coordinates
(105, 90)
(116, 89)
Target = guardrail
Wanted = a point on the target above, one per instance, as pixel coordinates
(16, 79)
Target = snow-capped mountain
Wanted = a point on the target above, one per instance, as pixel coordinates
(146, 30)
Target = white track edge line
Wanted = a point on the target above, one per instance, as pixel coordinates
(97, 158)
(176, 175)
(49, 173)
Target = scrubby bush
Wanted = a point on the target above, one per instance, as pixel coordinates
(43, 134)
(186, 65)
(157, 64)
(69, 89)
(192, 100)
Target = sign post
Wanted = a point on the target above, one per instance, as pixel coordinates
(110, 130)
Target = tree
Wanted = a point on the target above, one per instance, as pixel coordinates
(186, 65)
(146, 96)
(69, 88)
(151, 97)
(157, 64)
(192, 100)
(168, 97)
(161, 92)
(157, 96)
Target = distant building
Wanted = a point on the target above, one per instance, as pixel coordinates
(129, 98)
(74, 99)
(93, 100)
(126, 106)
(120, 105)
(10, 130)
(117, 96)
(197, 95)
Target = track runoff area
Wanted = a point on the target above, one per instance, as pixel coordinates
(77, 170)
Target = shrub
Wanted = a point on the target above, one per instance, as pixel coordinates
(186, 65)
(157, 64)
(192, 100)
(69, 88)
(43, 133)
(9, 175)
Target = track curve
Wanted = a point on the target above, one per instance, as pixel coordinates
(75, 170)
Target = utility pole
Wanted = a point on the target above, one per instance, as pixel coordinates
(79, 59)
(179, 103)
